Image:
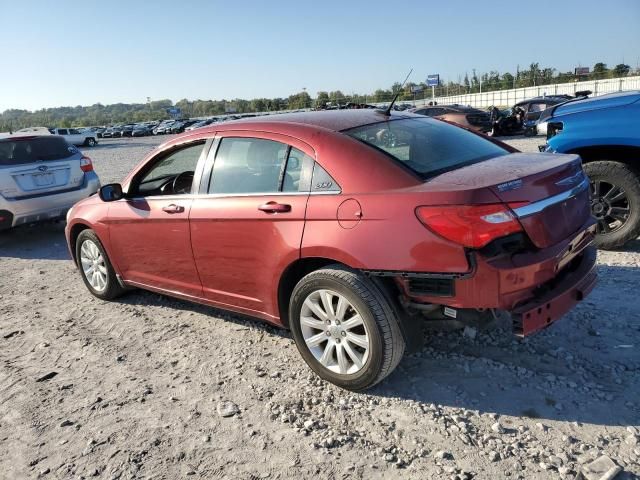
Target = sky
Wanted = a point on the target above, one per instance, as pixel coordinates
(68, 53)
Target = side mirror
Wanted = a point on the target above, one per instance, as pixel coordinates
(111, 192)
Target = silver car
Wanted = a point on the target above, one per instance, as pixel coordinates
(41, 177)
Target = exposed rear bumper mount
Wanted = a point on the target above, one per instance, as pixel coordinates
(565, 294)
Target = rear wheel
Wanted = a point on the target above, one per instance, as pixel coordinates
(96, 269)
(345, 328)
(615, 202)
(90, 142)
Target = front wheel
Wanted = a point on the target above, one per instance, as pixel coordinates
(96, 269)
(615, 202)
(91, 142)
(345, 328)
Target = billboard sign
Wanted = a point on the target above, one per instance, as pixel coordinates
(174, 112)
(416, 88)
(433, 80)
(582, 71)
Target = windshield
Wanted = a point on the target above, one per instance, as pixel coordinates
(15, 152)
(428, 147)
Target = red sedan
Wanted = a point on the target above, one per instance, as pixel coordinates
(346, 227)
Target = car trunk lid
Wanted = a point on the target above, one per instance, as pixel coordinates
(549, 193)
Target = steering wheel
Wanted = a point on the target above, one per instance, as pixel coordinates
(182, 182)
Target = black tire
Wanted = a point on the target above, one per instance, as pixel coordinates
(605, 176)
(90, 142)
(112, 288)
(386, 345)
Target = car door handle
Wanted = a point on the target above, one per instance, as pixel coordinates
(173, 208)
(275, 207)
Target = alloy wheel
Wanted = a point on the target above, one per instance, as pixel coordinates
(94, 267)
(609, 205)
(334, 332)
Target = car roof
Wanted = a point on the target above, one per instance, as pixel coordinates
(334, 120)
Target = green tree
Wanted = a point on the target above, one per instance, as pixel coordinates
(621, 70)
(600, 70)
(299, 100)
(322, 98)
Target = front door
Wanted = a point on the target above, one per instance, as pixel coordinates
(149, 229)
(248, 227)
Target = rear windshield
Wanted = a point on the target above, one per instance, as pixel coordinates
(15, 152)
(428, 147)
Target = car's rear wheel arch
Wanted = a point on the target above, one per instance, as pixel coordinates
(292, 275)
(303, 266)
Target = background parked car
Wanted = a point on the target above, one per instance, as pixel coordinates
(126, 131)
(76, 137)
(141, 131)
(200, 124)
(41, 177)
(112, 132)
(468, 117)
(605, 132)
(164, 127)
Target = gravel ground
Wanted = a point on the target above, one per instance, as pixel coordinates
(152, 387)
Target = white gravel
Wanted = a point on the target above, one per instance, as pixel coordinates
(152, 387)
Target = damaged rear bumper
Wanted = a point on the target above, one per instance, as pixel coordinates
(560, 297)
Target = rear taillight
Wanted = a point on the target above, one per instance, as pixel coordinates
(86, 165)
(470, 225)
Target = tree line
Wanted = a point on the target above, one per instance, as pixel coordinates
(118, 113)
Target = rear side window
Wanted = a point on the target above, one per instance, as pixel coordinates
(45, 148)
(428, 147)
(297, 176)
(322, 181)
(248, 165)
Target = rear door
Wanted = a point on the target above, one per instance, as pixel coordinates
(248, 227)
(32, 166)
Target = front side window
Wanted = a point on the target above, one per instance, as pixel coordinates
(172, 174)
(62, 131)
(248, 165)
(73, 131)
(426, 146)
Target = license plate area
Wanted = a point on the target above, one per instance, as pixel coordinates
(43, 179)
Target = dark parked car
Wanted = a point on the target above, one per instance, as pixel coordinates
(468, 117)
(111, 132)
(141, 131)
(315, 222)
(126, 131)
(605, 132)
(179, 127)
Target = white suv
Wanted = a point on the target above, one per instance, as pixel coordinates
(41, 177)
(76, 137)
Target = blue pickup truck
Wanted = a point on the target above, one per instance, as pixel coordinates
(605, 132)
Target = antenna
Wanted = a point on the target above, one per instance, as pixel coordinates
(387, 111)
